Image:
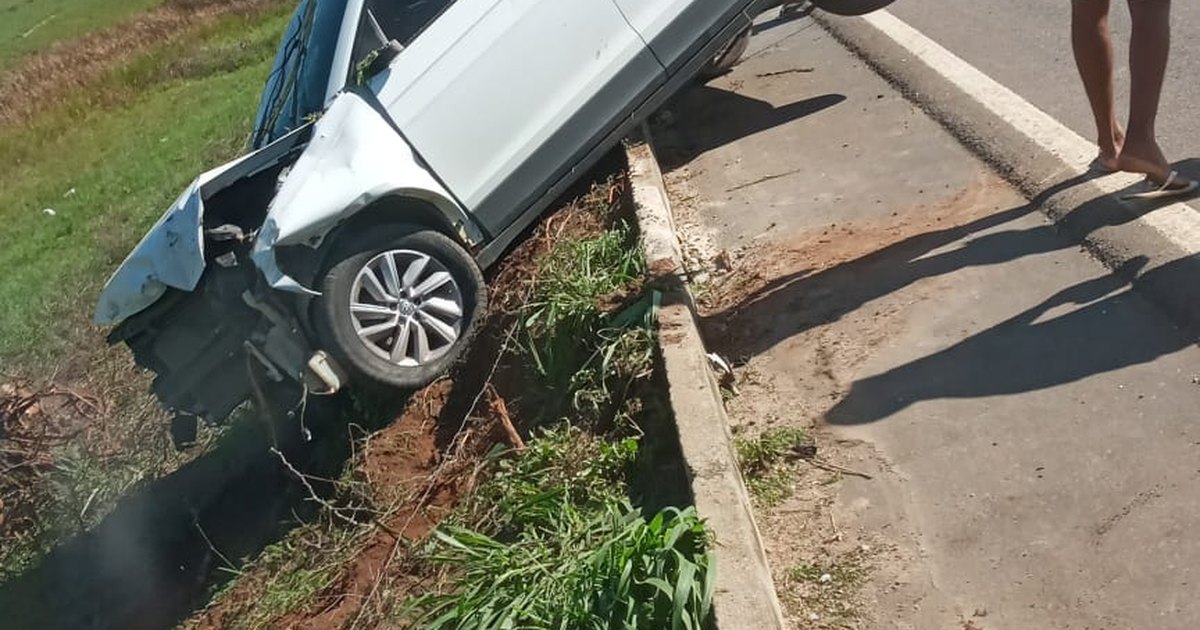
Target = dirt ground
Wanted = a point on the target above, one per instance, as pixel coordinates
(797, 304)
(800, 294)
(1026, 418)
(830, 572)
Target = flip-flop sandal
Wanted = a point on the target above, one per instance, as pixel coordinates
(1165, 191)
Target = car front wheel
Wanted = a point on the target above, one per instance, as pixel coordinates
(400, 306)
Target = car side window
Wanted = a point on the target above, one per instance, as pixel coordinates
(400, 20)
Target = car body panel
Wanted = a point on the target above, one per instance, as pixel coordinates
(490, 253)
(499, 96)
(675, 29)
(355, 158)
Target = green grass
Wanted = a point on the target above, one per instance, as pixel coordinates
(108, 161)
(830, 587)
(763, 460)
(551, 540)
(302, 565)
(562, 548)
(109, 169)
(573, 347)
(30, 25)
(550, 537)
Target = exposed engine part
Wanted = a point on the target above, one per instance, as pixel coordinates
(226, 232)
(197, 343)
(323, 377)
(228, 259)
(184, 431)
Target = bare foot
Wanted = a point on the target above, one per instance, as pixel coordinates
(1107, 159)
(1105, 162)
(1148, 159)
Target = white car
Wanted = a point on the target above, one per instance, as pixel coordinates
(400, 147)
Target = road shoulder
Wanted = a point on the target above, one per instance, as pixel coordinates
(1153, 245)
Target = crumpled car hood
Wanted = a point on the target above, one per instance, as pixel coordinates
(171, 254)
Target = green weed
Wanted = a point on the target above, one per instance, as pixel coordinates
(573, 346)
(287, 575)
(830, 587)
(763, 460)
(562, 548)
(550, 540)
(82, 181)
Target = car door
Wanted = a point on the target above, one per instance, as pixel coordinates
(502, 97)
(676, 29)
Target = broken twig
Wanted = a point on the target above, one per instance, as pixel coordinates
(824, 465)
(501, 410)
(776, 73)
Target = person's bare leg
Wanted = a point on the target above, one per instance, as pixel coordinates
(1091, 41)
(1149, 48)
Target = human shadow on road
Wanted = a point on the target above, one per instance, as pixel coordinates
(1030, 352)
(716, 117)
(796, 302)
(998, 361)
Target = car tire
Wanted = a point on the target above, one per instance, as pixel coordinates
(400, 305)
(851, 7)
(726, 57)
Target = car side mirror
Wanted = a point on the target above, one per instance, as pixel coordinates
(378, 60)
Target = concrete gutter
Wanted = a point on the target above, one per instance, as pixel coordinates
(745, 595)
(1152, 245)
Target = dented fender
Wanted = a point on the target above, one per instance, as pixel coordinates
(354, 159)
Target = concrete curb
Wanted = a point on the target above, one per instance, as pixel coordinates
(745, 593)
(1154, 247)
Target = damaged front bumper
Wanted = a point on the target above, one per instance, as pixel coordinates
(204, 302)
(172, 254)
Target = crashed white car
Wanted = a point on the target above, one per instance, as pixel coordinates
(400, 147)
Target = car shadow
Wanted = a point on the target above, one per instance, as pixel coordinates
(716, 117)
(1018, 355)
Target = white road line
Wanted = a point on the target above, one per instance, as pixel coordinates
(1177, 223)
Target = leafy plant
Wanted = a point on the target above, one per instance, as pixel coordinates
(762, 460)
(576, 350)
(551, 540)
(564, 549)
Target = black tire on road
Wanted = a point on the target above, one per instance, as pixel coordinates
(727, 57)
(851, 7)
(335, 326)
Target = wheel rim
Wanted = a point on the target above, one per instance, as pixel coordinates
(406, 308)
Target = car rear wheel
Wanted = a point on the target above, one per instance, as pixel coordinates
(851, 7)
(726, 57)
(400, 306)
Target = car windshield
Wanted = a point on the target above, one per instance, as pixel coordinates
(299, 78)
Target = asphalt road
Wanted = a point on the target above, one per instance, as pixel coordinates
(1025, 44)
(1026, 418)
